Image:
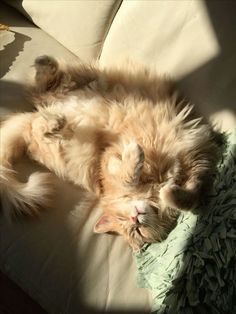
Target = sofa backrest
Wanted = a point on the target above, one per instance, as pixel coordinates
(80, 26)
(164, 33)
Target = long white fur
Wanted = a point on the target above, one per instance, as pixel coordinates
(18, 197)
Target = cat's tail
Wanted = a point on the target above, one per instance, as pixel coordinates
(20, 198)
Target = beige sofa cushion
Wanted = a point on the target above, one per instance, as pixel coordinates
(193, 41)
(80, 26)
(158, 32)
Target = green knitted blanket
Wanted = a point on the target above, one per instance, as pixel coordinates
(194, 269)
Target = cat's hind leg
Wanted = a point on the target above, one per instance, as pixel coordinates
(47, 73)
(21, 197)
(132, 163)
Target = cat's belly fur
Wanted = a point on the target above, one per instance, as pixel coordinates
(94, 123)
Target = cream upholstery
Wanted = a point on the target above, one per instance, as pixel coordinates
(80, 26)
(57, 259)
(162, 30)
(193, 41)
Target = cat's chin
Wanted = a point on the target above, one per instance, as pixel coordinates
(136, 247)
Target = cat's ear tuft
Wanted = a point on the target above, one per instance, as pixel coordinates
(104, 224)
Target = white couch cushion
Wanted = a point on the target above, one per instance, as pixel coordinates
(193, 41)
(81, 26)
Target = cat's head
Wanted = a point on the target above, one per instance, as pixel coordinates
(137, 220)
(130, 203)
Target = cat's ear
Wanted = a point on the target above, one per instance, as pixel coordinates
(105, 223)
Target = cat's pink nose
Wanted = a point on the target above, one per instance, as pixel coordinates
(134, 219)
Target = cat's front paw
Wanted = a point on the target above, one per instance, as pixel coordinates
(48, 127)
(174, 196)
(55, 125)
(169, 194)
(133, 155)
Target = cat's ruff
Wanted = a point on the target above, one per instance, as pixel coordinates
(120, 134)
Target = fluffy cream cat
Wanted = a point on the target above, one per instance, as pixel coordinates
(119, 133)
